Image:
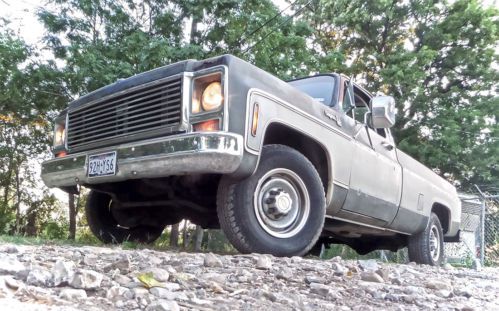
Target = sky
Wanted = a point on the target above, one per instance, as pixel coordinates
(21, 13)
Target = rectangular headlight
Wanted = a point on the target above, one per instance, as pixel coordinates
(207, 93)
(60, 133)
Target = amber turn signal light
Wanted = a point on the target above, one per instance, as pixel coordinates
(207, 126)
(61, 154)
(254, 124)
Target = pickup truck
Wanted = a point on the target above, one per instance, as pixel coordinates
(279, 166)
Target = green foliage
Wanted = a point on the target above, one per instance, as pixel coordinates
(54, 230)
(436, 59)
(86, 237)
(216, 241)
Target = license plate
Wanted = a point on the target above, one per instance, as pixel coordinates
(102, 164)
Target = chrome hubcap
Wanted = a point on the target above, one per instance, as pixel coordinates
(434, 243)
(281, 203)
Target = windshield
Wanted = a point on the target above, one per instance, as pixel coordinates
(319, 87)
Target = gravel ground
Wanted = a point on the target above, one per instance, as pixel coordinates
(95, 278)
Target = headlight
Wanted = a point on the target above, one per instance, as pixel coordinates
(207, 93)
(59, 134)
(212, 96)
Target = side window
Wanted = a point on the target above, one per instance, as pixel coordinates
(381, 132)
(357, 109)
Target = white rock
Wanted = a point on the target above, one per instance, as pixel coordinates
(443, 293)
(263, 262)
(163, 305)
(90, 259)
(73, 294)
(339, 269)
(438, 285)
(212, 261)
(319, 289)
(371, 276)
(140, 292)
(10, 266)
(159, 274)
(122, 263)
(9, 249)
(116, 292)
(162, 293)
(39, 277)
(63, 272)
(368, 265)
(86, 279)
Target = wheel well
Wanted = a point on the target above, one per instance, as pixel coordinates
(443, 214)
(277, 133)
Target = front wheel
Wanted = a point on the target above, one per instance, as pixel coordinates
(427, 247)
(279, 210)
(106, 228)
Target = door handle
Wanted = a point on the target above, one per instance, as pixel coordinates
(387, 146)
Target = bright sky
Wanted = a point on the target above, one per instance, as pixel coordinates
(21, 13)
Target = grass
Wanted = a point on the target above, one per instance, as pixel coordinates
(16, 239)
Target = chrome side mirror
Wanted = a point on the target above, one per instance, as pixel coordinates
(383, 111)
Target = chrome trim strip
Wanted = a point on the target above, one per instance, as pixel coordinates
(366, 225)
(340, 184)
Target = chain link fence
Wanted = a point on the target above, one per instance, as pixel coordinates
(479, 230)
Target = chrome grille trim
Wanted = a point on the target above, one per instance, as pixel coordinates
(144, 111)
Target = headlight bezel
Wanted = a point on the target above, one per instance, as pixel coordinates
(199, 86)
(59, 135)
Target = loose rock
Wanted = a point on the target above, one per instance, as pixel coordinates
(86, 279)
(73, 294)
(63, 272)
(163, 305)
(40, 277)
(371, 276)
(232, 282)
(263, 262)
(212, 261)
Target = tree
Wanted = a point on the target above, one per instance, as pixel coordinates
(435, 58)
(27, 90)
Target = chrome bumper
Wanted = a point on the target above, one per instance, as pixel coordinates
(197, 153)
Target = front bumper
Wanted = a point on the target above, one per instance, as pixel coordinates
(197, 153)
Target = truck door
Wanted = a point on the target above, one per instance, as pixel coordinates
(375, 179)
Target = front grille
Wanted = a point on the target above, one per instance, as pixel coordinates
(152, 109)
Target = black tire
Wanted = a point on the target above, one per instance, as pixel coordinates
(104, 226)
(427, 247)
(243, 205)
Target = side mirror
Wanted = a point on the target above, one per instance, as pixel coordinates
(383, 111)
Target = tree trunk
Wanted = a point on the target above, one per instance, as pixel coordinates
(174, 235)
(17, 229)
(199, 238)
(72, 216)
(30, 228)
(185, 237)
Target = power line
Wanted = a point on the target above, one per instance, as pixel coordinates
(268, 21)
(278, 26)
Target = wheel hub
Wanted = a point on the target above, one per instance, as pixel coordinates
(277, 203)
(281, 203)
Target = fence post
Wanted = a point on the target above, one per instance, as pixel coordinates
(482, 232)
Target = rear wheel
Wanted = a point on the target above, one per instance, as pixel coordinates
(102, 223)
(427, 247)
(278, 210)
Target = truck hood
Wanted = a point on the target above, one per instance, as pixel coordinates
(148, 76)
